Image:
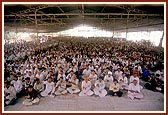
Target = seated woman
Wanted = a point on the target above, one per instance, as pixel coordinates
(134, 90)
(114, 89)
(86, 87)
(31, 96)
(9, 94)
(99, 87)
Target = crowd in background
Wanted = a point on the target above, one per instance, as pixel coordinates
(69, 65)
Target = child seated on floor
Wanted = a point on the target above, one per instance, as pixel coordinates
(31, 96)
(114, 89)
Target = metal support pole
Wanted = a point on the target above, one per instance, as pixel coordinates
(161, 40)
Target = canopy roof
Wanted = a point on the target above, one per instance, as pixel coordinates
(58, 17)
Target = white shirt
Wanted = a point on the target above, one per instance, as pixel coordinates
(110, 79)
(134, 87)
(11, 90)
(93, 77)
(118, 74)
(76, 82)
(59, 75)
(86, 72)
(101, 85)
(17, 85)
(125, 80)
(132, 78)
(49, 86)
(86, 85)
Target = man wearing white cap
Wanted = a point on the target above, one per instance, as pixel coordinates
(108, 79)
(99, 87)
(134, 90)
(86, 88)
(97, 70)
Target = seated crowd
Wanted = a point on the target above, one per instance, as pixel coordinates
(79, 66)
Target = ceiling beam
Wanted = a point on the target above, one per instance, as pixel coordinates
(86, 14)
(32, 9)
(62, 10)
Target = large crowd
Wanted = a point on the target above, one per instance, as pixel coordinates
(81, 66)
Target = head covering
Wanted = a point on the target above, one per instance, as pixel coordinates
(96, 66)
(109, 73)
(135, 79)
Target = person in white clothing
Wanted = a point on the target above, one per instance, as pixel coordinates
(86, 71)
(134, 90)
(134, 76)
(108, 79)
(97, 70)
(99, 87)
(40, 75)
(49, 85)
(118, 73)
(61, 74)
(86, 88)
(93, 77)
(123, 81)
(38, 86)
(60, 88)
(9, 94)
(17, 83)
(74, 85)
(70, 75)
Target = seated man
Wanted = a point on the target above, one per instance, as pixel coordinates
(114, 89)
(17, 83)
(31, 96)
(108, 79)
(93, 77)
(38, 86)
(74, 85)
(60, 88)
(9, 94)
(134, 90)
(86, 88)
(99, 87)
(132, 78)
(49, 85)
(123, 81)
